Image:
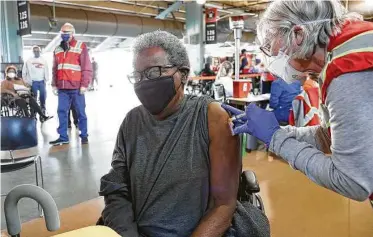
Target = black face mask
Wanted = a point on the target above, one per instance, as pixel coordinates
(64, 45)
(36, 54)
(156, 94)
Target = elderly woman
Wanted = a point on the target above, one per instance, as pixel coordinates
(175, 167)
(20, 94)
(317, 36)
(224, 77)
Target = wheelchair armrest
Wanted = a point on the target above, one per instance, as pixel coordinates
(250, 182)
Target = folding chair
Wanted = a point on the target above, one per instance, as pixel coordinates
(16, 134)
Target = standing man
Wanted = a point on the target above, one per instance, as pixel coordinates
(95, 78)
(72, 73)
(36, 73)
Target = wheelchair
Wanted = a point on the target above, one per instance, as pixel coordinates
(9, 107)
(248, 190)
(193, 87)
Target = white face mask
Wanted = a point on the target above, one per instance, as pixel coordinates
(279, 65)
(11, 75)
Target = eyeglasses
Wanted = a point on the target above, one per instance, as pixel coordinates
(266, 49)
(152, 73)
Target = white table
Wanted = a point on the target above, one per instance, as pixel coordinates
(250, 99)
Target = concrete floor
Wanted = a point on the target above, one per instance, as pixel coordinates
(72, 172)
(295, 206)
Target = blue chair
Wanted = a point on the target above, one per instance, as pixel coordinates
(20, 133)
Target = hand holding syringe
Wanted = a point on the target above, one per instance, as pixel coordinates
(255, 121)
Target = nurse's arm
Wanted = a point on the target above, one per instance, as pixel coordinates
(349, 169)
(316, 136)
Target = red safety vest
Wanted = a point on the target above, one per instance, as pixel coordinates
(350, 51)
(68, 63)
(306, 114)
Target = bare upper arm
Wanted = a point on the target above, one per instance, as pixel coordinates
(224, 157)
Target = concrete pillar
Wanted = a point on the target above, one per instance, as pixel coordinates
(195, 32)
(11, 47)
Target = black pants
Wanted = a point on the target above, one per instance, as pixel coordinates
(75, 115)
(22, 104)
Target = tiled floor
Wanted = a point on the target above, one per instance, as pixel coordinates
(295, 206)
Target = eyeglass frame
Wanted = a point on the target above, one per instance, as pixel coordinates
(145, 78)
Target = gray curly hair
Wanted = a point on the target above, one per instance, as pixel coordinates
(176, 52)
(319, 19)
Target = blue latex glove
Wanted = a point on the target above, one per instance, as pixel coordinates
(258, 122)
(236, 113)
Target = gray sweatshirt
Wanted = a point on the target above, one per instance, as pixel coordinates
(349, 170)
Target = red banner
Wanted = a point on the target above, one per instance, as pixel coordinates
(211, 15)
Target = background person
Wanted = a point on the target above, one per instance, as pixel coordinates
(207, 71)
(224, 77)
(72, 112)
(310, 81)
(94, 82)
(20, 92)
(72, 73)
(36, 73)
(282, 96)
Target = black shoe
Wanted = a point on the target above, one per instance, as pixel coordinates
(59, 142)
(46, 118)
(84, 140)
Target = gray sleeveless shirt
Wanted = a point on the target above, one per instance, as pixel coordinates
(168, 163)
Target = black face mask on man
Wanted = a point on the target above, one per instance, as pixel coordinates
(156, 94)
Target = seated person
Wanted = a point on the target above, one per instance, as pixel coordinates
(21, 94)
(206, 71)
(282, 96)
(224, 77)
(176, 166)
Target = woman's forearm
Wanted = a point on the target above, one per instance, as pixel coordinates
(316, 136)
(216, 222)
(326, 171)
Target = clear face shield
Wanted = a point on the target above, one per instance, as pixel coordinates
(280, 63)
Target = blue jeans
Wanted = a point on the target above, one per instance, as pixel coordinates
(39, 86)
(65, 99)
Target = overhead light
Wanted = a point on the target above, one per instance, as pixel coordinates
(369, 2)
(201, 1)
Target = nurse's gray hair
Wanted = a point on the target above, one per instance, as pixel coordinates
(319, 20)
(176, 52)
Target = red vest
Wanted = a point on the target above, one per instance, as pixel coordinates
(355, 60)
(310, 101)
(68, 63)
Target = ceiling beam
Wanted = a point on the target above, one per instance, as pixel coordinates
(152, 4)
(174, 7)
(101, 46)
(52, 44)
(112, 6)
